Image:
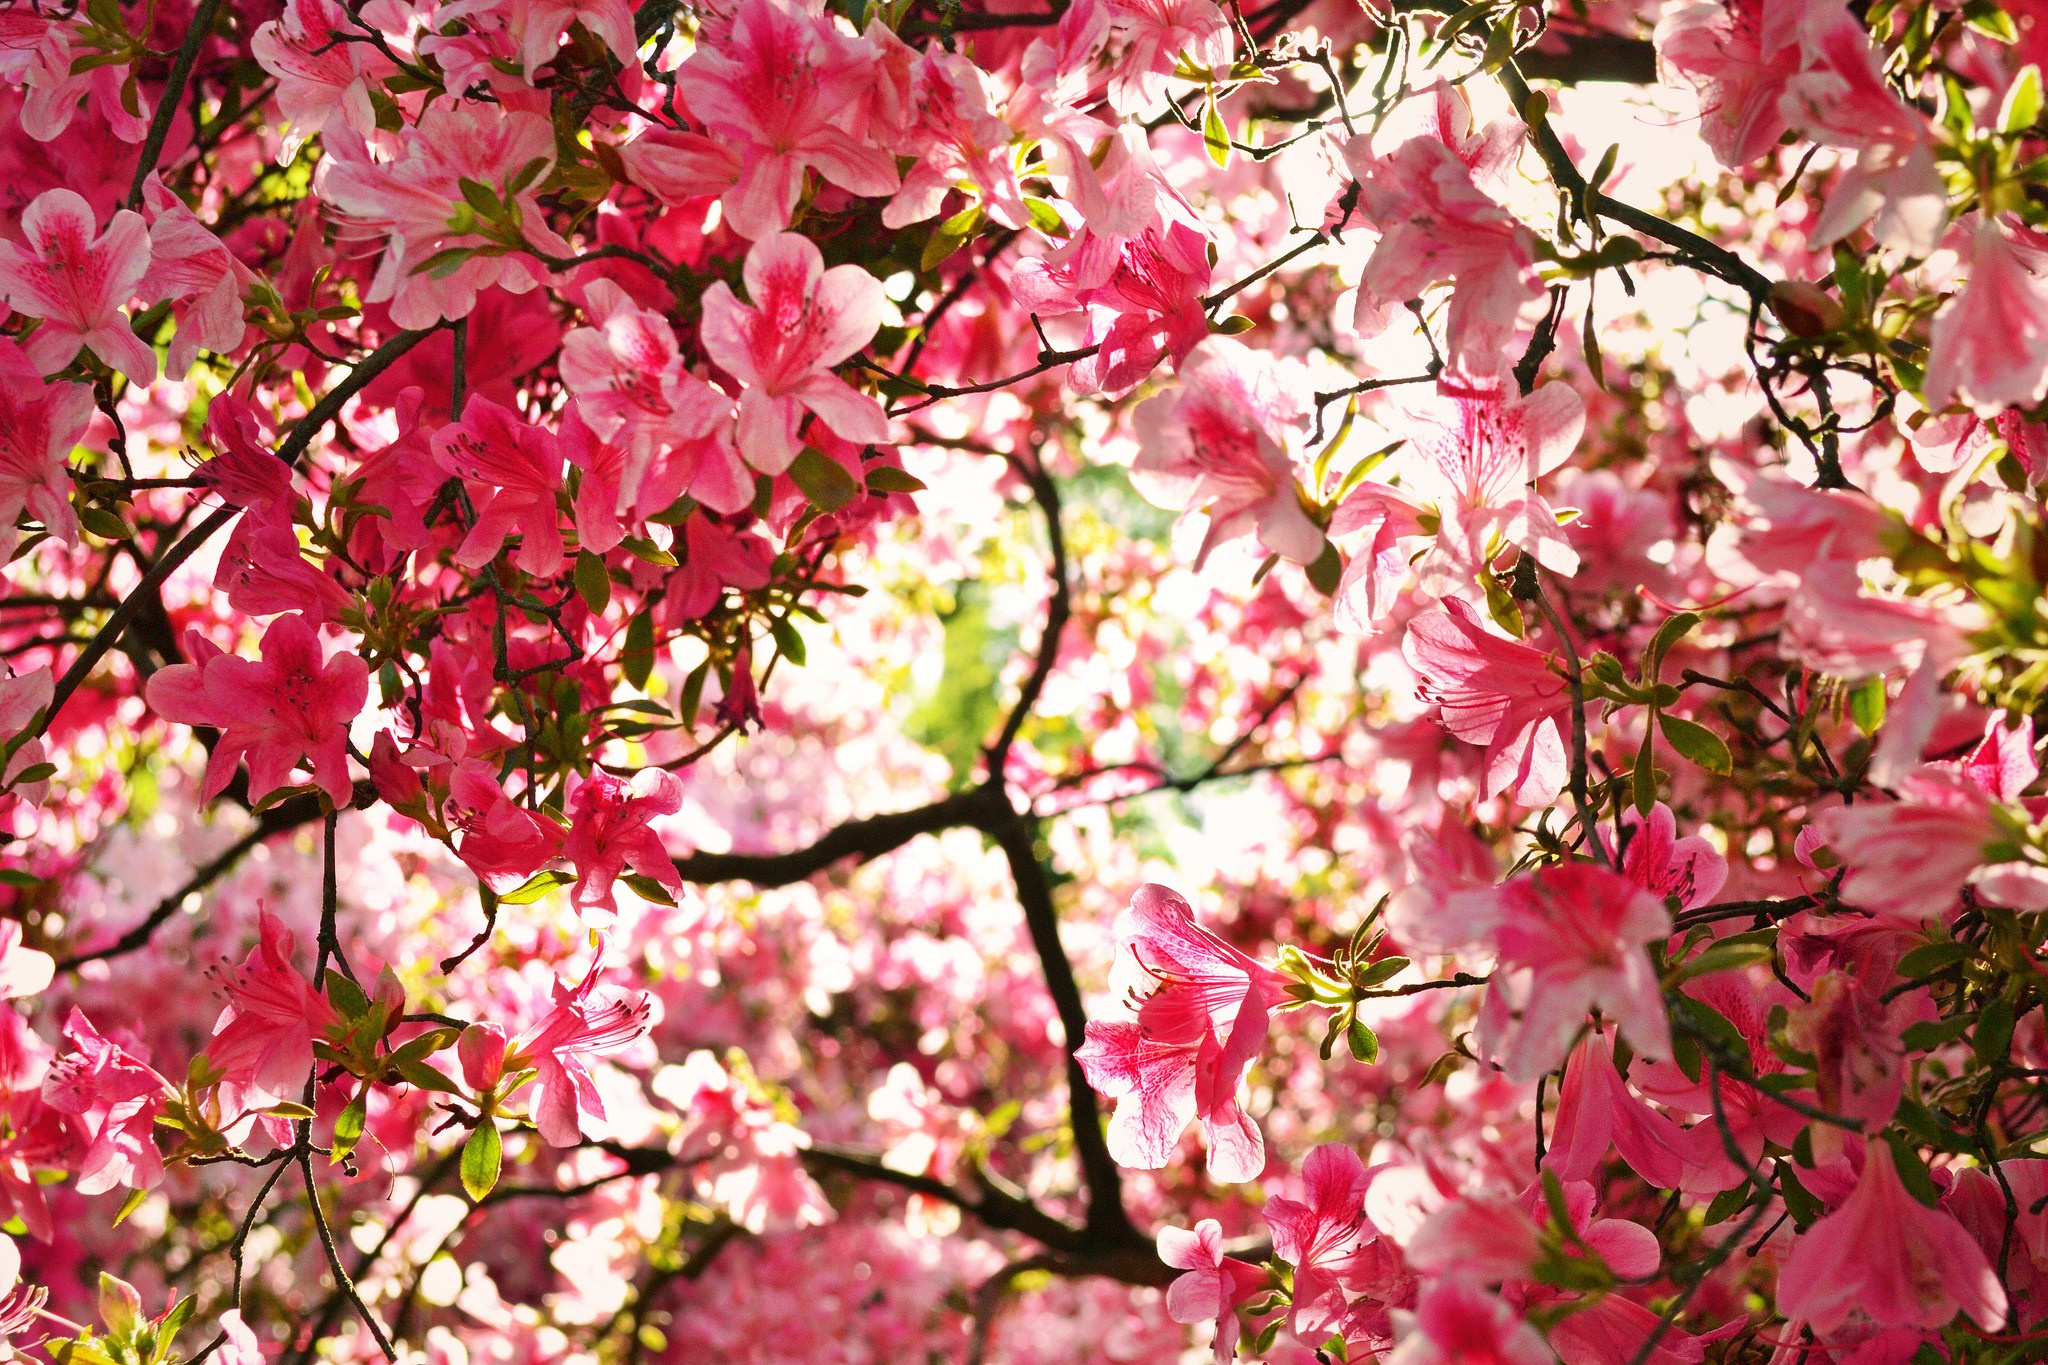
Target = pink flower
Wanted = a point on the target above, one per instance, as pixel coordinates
(1149, 307)
(191, 267)
(1493, 691)
(292, 705)
(1380, 568)
(39, 425)
(1436, 225)
(1912, 857)
(23, 971)
(1203, 1009)
(1778, 525)
(119, 1097)
(540, 25)
(714, 558)
(1740, 58)
(1214, 1284)
(263, 571)
(1886, 1259)
(243, 471)
(319, 81)
(1595, 1111)
(1215, 444)
(241, 1346)
(1162, 38)
(1690, 869)
(779, 91)
(1567, 939)
(502, 841)
(1990, 342)
(588, 1020)
(1474, 455)
(958, 140)
(77, 283)
(263, 1041)
(1852, 1033)
(609, 832)
(513, 469)
(804, 320)
(1324, 1239)
(417, 203)
(21, 697)
(1750, 1116)
(1457, 1323)
(1843, 100)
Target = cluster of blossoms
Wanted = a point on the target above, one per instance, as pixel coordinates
(620, 621)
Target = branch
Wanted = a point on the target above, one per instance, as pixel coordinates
(863, 840)
(1588, 57)
(168, 100)
(1058, 608)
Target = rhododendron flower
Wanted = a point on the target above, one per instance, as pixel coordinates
(1740, 57)
(779, 91)
(23, 971)
(118, 1096)
(1213, 1284)
(1853, 1034)
(198, 274)
(1436, 225)
(1325, 1238)
(588, 1020)
(1494, 691)
(1149, 307)
(21, 697)
(1912, 857)
(1990, 342)
(262, 1044)
(1215, 445)
(77, 283)
(502, 841)
(608, 832)
(1595, 1111)
(39, 425)
(1161, 38)
(540, 25)
(1567, 939)
(294, 704)
(1656, 859)
(714, 558)
(958, 140)
(513, 470)
(1886, 1259)
(1202, 1013)
(804, 319)
(1456, 1323)
(319, 81)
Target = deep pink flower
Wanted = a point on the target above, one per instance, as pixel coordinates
(39, 425)
(1325, 1238)
(193, 269)
(513, 469)
(77, 283)
(502, 841)
(1729, 1108)
(118, 1097)
(714, 558)
(1493, 691)
(609, 832)
(780, 91)
(1203, 1009)
(804, 319)
(588, 1020)
(1221, 443)
(1665, 865)
(294, 704)
(262, 1043)
(319, 81)
(1886, 1259)
(1458, 1323)
(957, 140)
(1213, 1284)
(1147, 307)
(1595, 1111)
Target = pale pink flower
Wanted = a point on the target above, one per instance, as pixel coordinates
(609, 832)
(780, 91)
(1325, 1239)
(1835, 624)
(804, 319)
(191, 267)
(1740, 57)
(2002, 765)
(1567, 939)
(1474, 455)
(39, 425)
(540, 25)
(1777, 525)
(1147, 308)
(1888, 1260)
(1162, 37)
(118, 1097)
(1202, 1013)
(1457, 1323)
(294, 704)
(417, 203)
(53, 88)
(262, 1043)
(319, 81)
(1382, 565)
(21, 697)
(1436, 225)
(23, 971)
(957, 140)
(1221, 443)
(240, 1346)
(1842, 100)
(1212, 1285)
(1912, 857)
(587, 1021)
(1493, 691)
(513, 470)
(1990, 341)
(77, 283)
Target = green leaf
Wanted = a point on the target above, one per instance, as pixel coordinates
(884, 478)
(1726, 957)
(1364, 1043)
(1215, 134)
(2022, 104)
(1642, 778)
(1698, 744)
(640, 547)
(787, 640)
(1994, 1031)
(1799, 1201)
(648, 889)
(1237, 324)
(480, 197)
(1930, 958)
(1913, 1170)
(1866, 706)
(1327, 572)
(1376, 973)
(426, 1076)
(1673, 630)
(637, 658)
(481, 1157)
(823, 480)
(348, 1127)
(1727, 1204)
(528, 174)
(345, 995)
(593, 583)
(1045, 217)
(129, 1205)
(1933, 1033)
(536, 886)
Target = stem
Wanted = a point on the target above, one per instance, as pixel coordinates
(168, 100)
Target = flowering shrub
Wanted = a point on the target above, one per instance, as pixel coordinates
(950, 680)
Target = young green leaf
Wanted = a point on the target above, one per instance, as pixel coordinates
(481, 1157)
(1698, 743)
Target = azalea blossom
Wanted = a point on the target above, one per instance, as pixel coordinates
(77, 280)
(39, 425)
(1991, 340)
(262, 1045)
(588, 1020)
(1324, 1238)
(609, 832)
(1213, 1284)
(1496, 692)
